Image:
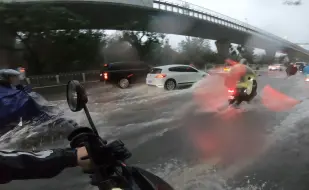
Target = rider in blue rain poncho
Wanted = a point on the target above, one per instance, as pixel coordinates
(15, 101)
(306, 72)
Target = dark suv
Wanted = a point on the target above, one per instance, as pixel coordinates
(124, 73)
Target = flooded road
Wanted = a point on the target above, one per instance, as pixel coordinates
(168, 134)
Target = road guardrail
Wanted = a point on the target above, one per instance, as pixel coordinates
(40, 81)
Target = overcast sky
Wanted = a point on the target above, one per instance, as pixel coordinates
(290, 22)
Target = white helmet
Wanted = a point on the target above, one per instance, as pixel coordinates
(6, 73)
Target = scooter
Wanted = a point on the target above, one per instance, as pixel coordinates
(234, 95)
(237, 95)
(108, 159)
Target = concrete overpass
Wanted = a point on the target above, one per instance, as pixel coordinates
(174, 17)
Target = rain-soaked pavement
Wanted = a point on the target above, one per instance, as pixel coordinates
(171, 134)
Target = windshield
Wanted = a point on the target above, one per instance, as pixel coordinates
(155, 71)
(144, 66)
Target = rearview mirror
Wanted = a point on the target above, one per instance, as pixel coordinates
(76, 96)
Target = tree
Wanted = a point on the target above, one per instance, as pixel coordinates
(48, 49)
(120, 51)
(246, 52)
(196, 50)
(132, 46)
(147, 44)
(167, 55)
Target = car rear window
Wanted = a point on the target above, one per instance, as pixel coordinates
(155, 71)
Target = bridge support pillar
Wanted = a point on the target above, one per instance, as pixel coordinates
(223, 47)
(291, 54)
(7, 47)
(270, 56)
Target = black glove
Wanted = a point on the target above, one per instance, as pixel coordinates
(26, 88)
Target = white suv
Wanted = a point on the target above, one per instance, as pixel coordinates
(172, 76)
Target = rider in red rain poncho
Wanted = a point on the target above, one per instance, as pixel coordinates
(291, 69)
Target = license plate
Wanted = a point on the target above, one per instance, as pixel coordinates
(149, 81)
(231, 97)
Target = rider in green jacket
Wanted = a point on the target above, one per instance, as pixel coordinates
(242, 79)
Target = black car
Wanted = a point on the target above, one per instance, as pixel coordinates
(124, 73)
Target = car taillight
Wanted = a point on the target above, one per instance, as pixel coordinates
(105, 75)
(307, 79)
(160, 76)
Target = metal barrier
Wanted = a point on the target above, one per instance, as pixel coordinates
(183, 7)
(62, 78)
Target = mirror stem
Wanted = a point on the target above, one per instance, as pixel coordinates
(90, 120)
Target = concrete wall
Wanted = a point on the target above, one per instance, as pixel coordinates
(148, 3)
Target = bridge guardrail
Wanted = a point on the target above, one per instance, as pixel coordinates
(183, 7)
(62, 78)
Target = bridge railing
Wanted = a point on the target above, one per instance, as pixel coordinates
(62, 78)
(183, 7)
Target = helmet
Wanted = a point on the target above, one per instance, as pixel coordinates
(243, 61)
(6, 73)
(231, 62)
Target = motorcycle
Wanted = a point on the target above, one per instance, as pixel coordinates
(108, 159)
(237, 95)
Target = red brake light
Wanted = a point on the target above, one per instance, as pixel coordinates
(160, 76)
(105, 75)
(231, 92)
(105, 65)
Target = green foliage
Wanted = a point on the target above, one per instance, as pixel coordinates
(46, 48)
(247, 53)
(132, 46)
(145, 43)
(38, 18)
(65, 51)
(196, 51)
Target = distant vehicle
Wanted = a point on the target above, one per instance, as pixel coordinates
(124, 73)
(301, 66)
(299, 63)
(170, 77)
(275, 67)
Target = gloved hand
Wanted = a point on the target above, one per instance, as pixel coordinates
(25, 88)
